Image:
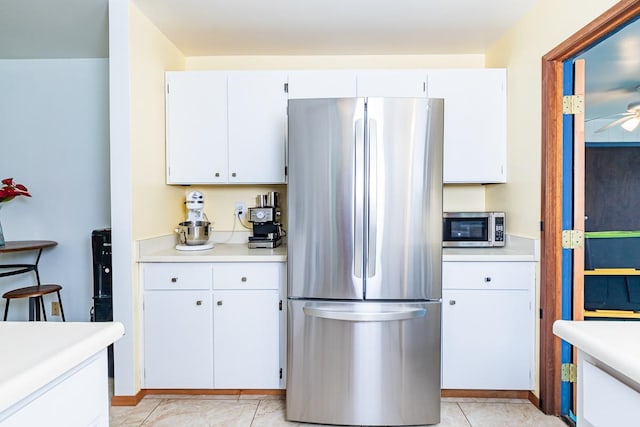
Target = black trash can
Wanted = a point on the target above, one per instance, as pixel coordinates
(102, 288)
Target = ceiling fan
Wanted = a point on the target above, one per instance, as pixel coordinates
(629, 121)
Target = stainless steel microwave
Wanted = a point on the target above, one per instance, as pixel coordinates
(473, 229)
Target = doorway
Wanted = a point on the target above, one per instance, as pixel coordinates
(552, 181)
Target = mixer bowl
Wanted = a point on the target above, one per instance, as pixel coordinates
(192, 233)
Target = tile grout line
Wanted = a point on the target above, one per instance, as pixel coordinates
(255, 413)
(464, 415)
(151, 411)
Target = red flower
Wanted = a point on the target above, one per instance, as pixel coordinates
(10, 189)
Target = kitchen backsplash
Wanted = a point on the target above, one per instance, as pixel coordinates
(220, 201)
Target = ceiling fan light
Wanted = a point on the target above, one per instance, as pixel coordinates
(631, 124)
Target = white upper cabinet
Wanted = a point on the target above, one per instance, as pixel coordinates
(309, 84)
(257, 109)
(229, 127)
(475, 123)
(196, 126)
(226, 127)
(392, 83)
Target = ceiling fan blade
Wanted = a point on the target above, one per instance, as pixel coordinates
(631, 125)
(616, 122)
(608, 116)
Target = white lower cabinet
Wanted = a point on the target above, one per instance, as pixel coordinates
(213, 325)
(178, 339)
(488, 325)
(245, 339)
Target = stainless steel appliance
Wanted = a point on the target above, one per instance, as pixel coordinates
(265, 217)
(364, 261)
(473, 229)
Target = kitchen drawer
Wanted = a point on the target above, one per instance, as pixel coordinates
(488, 275)
(177, 276)
(247, 275)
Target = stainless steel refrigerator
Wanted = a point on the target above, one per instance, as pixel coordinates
(364, 261)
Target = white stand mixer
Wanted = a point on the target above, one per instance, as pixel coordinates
(193, 234)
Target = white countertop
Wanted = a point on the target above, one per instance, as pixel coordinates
(35, 353)
(615, 343)
(162, 249)
(515, 249)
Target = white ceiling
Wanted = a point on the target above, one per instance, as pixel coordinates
(79, 28)
(333, 27)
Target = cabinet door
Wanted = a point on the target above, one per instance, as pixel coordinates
(392, 83)
(487, 339)
(310, 84)
(257, 111)
(475, 123)
(246, 339)
(196, 127)
(178, 344)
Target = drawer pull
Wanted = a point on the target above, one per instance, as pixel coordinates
(174, 279)
(244, 279)
(217, 174)
(219, 302)
(199, 302)
(452, 302)
(233, 174)
(487, 279)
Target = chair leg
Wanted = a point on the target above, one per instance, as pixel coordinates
(61, 309)
(44, 309)
(6, 309)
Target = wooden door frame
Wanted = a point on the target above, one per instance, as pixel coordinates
(551, 253)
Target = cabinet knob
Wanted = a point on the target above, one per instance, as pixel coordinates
(219, 302)
(217, 174)
(243, 279)
(452, 302)
(233, 174)
(487, 279)
(199, 302)
(174, 279)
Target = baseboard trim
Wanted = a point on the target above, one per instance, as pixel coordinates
(134, 400)
(127, 400)
(484, 394)
(488, 394)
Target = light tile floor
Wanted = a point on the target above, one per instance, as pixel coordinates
(269, 411)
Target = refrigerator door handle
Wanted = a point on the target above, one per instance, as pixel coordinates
(372, 194)
(338, 313)
(359, 195)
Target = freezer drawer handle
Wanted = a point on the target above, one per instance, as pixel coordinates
(328, 313)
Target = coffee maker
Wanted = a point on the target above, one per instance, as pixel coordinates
(265, 217)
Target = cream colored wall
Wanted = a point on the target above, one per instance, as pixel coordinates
(463, 198)
(548, 24)
(266, 62)
(156, 206)
(520, 50)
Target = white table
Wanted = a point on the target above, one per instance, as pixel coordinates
(55, 373)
